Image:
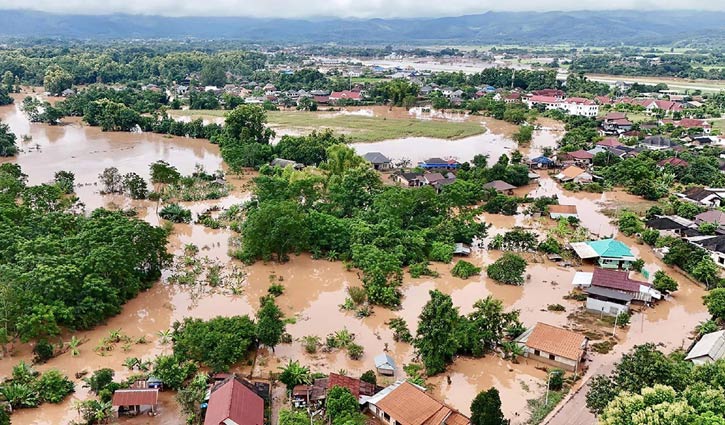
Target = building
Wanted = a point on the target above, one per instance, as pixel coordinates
(284, 163)
(669, 225)
(715, 217)
(690, 123)
(619, 281)
(607, 301)
(409, 179)
(360, 389)
(714, 245)
(610, 142)
(135, 401)
(709, 348)
(562, 211)
(541, 162)
(432, 178)
(580, 106)
(439, 164)
(707, 196)
(658, 143)
(379, 161)
(608, 253)
(500, 186)
(404, 403)
(384, 364)
(574, 174)
(345, 95)
(555, 346)
(233, 403)
(580, 156)
(673, 162)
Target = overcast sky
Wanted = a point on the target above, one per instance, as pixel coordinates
(341, 8)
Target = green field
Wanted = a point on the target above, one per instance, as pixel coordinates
(360, 128)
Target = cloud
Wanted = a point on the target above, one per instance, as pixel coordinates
(341, 8)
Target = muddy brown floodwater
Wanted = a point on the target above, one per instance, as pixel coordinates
(314, 289)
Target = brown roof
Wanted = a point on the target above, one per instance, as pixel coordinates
(499, 185)
(409, 405)
(615, 279)
(232, 400)
(581, 154)
(611, 142)
(615, 116)
(572, 171)
(139, 397)
(562, 209)
(558, 341)
(675, 162)
(356, 386)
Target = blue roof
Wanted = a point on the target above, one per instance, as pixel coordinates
(610, 248)
(542, 160)
(384, 361)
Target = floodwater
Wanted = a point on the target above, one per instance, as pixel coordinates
(314, 289)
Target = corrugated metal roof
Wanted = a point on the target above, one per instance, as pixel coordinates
(139, 397)
(609, 293)
(711, 345)
(232, 400)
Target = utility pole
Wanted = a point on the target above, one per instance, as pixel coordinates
(614, 331)
(548, 382)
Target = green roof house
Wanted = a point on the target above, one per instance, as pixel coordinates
(609, 253)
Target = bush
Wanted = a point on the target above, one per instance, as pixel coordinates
(355, 351)
(650, 236)
(217, 343)
(638, 265)
(370, 377)
(556, 379)
(100, 380)
(421, 269)
(442, 252)
(555, 307)
(358, 295)
(175, 213)
(276, 290)
(464, 269)
(623, 318)
(53, 386)
(311, 342)
(401, 333)
(173, 371)
(508, 269)
(664, 283)
(550, 246)
(43, 351)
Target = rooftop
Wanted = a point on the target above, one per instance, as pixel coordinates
(711, 345)
(136, 397)
(615, 279)
(562, 209)
(409, 405)
(558, 341)
(376, 158)
(499, 185)
(231, 400)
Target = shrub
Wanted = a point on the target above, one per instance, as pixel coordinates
(175, 213)
(638, 265)
(357, 294)
(421, 269)
(43, 351)
(550, 246)
(310, 343)
(442, 252)
(464, 269)
(370, 377)
(650, 236)
(276, 290)
(664, 283)
(555, 307)
(556, 379)
(401, 333)
(53, 386)
(355, 351)
(508, 269)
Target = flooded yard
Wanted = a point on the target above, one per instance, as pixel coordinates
(314, 289)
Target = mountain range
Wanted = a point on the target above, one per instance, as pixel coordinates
(580, 27)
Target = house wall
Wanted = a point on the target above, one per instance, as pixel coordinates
(606, 307)
(701, 360)
(551, 359)
(380, 414)
(557, 216)
(718, 258)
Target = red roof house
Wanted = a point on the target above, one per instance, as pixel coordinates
(232, 402)
(675, 162)
(610, 142)
(355, 385)
(346, 94)
(615, 279)
(581, 155)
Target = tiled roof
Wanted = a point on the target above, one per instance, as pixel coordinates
(615, 116)
(558, 341)
(355, 385)
(571, 172)
(409, 405)
(711, 345)
(544, 99)
(610, 142)
(562, 209)
(675, 162)
(615, 279)
(712, 216)
(581, 154)
(376, 158)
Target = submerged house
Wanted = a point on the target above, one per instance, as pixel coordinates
(555, 346)
(563, 211)
(284, 163)
(233, 403)
(608, 253)
(709, 197)
(384, 364)
(709, 348)
(439, 164)
(135, 401)
(612, 291)
(500, 186)
(574, 174)
(404, 403)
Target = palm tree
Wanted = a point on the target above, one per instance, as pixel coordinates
(132, 362)
(294, 374)
(20, 395)
(512, 350)
(164, 336)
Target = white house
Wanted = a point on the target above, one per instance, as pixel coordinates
(580, 106)
(552, 345)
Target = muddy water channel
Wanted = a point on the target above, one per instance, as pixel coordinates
(314, 289)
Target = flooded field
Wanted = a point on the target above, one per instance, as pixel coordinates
(314, 289)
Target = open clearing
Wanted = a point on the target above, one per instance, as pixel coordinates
(360, 127)
(673, 83)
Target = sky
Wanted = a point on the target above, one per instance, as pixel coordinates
(342, 8)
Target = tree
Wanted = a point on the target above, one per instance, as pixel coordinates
(173, 371)
(65, 181)
(664, 283)
(629, 223)
(164, 173)
(293, 417)
(715, 302)
(247, 124)
(218, 343)
(486, 409)
(7, 141)
(275, 228)
(294, 374)
(370, 377)
(508, 269)
(56, 80)
(111, 180)
(270, 325)
(99, 380)
(192, 396)
(706, 271)
(135, 186)
(53, 386)
(485, 327)
(212, 74)
(175, 213)
(524, 134)
(435, 339)
(341, 405)
(464, 269)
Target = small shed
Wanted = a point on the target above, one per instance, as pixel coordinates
(384, 364)
(135, 401)
(709, 348)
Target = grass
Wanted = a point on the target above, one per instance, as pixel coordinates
(359, 128)
(539, 410)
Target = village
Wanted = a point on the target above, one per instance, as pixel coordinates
(351, 241)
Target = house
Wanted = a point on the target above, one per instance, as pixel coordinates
(608, 253)
(360, 389)
(500, 186)
(552, 345)
(409, 179)
(449, 179)
(580, 106)
(710, 197)
(513, 97)
(714, 245)
(716, 217)
(658, 143)
(549, 102)
(541, 162)
(439, 163)
(135, 401)
(581, 156)
(709, 348)
(345, 95)
(231, 402)
(616, 123)
(67, 92)
(619, 281)
(384, 364)
(656, 105)
(284, 163)
(404, 403)
(555, 93)
(669, 225)
(607, 301)
(689, 123)
(308, 395)
(603, 100)
(574, 174)
(610, 142)
(462, 249)
(673, 162)
(379, 161)
(432, 178)
(562, 211)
